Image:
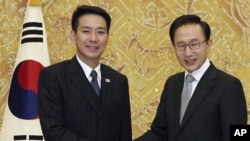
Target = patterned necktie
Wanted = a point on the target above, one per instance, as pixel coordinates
(94, 82)
(186, 94)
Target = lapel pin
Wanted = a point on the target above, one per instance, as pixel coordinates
(107, 80)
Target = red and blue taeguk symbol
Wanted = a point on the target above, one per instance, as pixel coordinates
(23, 90)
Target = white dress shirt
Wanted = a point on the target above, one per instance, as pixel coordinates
(87, 70)
(197, 74)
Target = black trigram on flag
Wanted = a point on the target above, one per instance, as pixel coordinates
(32, 32)
(30, 138)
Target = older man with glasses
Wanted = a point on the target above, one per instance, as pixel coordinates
(200, 103)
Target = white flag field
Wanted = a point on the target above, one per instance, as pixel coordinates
(21, 120)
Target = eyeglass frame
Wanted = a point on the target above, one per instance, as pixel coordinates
(183, 47)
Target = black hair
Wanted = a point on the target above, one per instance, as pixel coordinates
(86, 9)
(189, 19)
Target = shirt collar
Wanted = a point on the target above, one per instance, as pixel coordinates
(197, 74)
(87, 69)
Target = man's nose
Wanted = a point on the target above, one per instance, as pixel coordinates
(188, 51)
(93, 37)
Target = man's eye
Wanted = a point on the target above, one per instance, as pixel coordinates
(194, 44)
(85, 31)
(181, 46)
(101, 32)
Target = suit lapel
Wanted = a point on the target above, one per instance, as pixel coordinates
(177, 98)
(106, 84)
(78, 78)
(202, 90)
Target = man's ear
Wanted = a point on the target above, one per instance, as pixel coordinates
(209, 44)
(73, 36)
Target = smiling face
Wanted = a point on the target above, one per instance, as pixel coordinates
(90, 38)
(191, 60)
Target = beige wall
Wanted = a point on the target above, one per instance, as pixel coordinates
(139, 44)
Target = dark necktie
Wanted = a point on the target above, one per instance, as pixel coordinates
(186, 94)
(94, 82)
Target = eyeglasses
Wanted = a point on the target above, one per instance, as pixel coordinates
(192, 45)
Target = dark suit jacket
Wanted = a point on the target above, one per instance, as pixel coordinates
(217, 102)
(70, 110)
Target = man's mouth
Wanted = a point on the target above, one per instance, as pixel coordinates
(190, 61)
(92, 47)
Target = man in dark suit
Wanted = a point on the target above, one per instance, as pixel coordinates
(217, 99)
(70, 109)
